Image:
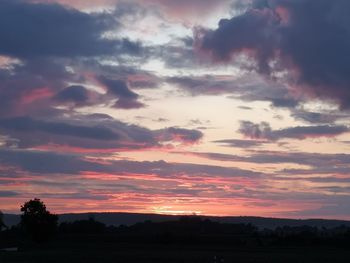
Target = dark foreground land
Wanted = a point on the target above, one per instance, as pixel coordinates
(186, 240)
(116, 252)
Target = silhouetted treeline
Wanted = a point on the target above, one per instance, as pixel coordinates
(191, 230)
(306, 235)
(90, 226)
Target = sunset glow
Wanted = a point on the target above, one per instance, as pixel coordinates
(176, 107)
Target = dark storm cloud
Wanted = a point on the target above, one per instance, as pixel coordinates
(118, 88)
(246, 31)
(264, 131)
(308, 38)
(76, 94)
(127, 99)
(40, 30)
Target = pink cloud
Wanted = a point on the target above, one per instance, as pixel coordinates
(36, 94)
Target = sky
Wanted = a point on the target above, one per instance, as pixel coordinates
(201, 107)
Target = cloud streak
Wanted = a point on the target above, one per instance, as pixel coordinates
(42, 163)
(90, 132)
(263, 131)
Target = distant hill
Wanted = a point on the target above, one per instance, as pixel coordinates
(117, 219)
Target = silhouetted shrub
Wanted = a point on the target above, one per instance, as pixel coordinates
(36, 221)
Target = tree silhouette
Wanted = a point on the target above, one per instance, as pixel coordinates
(38, 222)
(2, 224)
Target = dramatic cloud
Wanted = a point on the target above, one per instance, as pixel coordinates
(310, 39)
(73, 94)
(89, 132)
(263, 131)
(180, 135)
(27, 87)
(127, 99)
(119, 103)
(56, 31)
